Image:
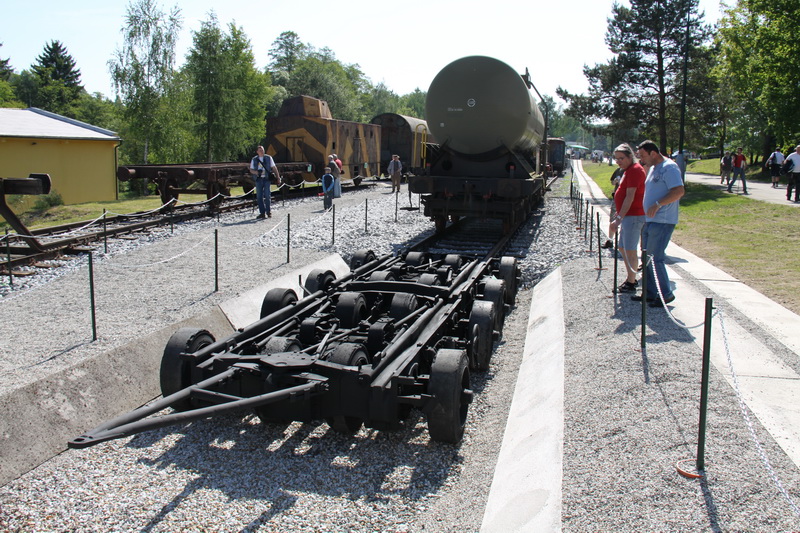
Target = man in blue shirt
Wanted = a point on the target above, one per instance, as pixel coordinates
(260, 167)
(663, 188)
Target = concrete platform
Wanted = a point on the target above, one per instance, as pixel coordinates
(49, 412)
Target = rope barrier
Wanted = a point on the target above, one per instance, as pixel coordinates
(746, 416)
(675, 321)
(258, 239)
(162, 261)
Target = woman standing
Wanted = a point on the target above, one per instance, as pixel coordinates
(630, 213)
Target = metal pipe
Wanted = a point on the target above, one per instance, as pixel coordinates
(701, 437)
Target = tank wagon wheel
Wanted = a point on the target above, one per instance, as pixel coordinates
(449, 386)
(276, 299)
(351, 309)
(176, 372)
(508, 272)
(494, 290)
(361, 258)
(416, 258)
(319, 280)
(481, 329)
(403, 304)
(351, 354)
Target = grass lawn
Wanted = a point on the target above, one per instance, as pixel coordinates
(754, 241)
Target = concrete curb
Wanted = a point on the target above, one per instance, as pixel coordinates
(526, 488)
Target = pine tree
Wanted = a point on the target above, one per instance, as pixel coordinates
(59, 80)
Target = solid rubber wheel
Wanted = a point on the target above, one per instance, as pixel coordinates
(281, 345)
(176, 372)
(319, 280)
(481, 328)
(382, 275)
(449, 386)
(361, 258)
(416, 258)
(428, 279)
(350, 354)
(494, 290)
(403, 304)
(508, 272)
(276, 299)
(453, 260)
(351, 309)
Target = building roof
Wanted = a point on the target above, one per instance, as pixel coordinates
(37, 123)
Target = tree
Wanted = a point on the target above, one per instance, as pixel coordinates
(230, 94)
(286, 52)
(414, 103)
(142, 69)
(5, 68)
(759, 50)
(59, 81)
(322, 76)
(639, 86)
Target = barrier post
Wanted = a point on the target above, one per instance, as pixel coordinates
(591, 229)
(105, 233)
(333, 225)
(8, 259)
(91, 297)
(396, 204)
(366, 209)
(288, 234)
(599, 250)
(701, 437)
(644, 296)
(616, 260)
(580, 211)
(216, 260)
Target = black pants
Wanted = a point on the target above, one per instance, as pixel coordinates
(794, 183)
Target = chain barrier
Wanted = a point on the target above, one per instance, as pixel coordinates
(651, 263)
(762, 454)
(257, 240)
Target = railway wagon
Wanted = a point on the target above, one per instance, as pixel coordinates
(407, 137)
(490, 132)
(304, 134)
(557, 155)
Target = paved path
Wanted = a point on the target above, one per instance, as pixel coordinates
(756, 190)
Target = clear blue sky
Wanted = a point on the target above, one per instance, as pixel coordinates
(403, 47)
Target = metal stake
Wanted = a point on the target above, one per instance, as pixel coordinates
(366, 209)
(8, 263)
(105, 233)
(333, 225)
(701, 438)
(288, 234)
(216, 260)
(91, 297)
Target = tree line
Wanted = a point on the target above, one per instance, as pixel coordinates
(734, 84)
(212, 108)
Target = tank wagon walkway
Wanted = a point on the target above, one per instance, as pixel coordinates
(630, 415)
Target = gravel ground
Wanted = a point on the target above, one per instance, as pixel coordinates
(629, 415)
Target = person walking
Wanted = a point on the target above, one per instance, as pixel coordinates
(725, 165)
(774, 163)
(630, 213)
(794, 175)
(739, 166)
(663, 189)
(395, 171)
(260, 167)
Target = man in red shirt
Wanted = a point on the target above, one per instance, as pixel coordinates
(739, 165)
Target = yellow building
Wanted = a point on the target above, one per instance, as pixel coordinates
(81, 159)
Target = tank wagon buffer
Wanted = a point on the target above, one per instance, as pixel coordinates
(394, 334)
(490, 132)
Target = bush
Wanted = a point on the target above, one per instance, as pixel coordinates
(48, 200)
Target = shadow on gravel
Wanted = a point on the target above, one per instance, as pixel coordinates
(246, 459)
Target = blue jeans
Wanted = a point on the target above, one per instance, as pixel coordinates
(655, 238)
(738, 172)
(263, 195)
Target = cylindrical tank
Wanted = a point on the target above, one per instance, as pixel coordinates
(480, 107)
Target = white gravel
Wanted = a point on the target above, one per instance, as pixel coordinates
(629, 417)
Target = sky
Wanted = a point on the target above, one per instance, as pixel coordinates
(402, 47)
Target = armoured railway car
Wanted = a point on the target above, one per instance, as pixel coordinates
(305, 133)
(490, 132)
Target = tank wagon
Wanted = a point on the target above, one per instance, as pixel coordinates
(489, 129)
(396, 333)
(407, 137)
(557, 155)
(304, 134)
